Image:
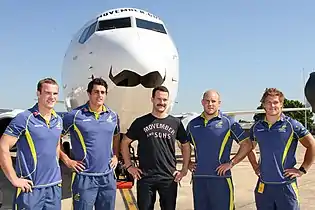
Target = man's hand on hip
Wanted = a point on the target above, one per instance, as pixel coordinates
(135, 172)
(180, 174)
(292, 173)
(25, 184)
(76, 165)
(114, 162)
(223, 168)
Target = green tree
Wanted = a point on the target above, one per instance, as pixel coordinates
(298, 115)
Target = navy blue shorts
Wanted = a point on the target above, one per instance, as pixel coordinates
(48, 198)
(213, 193)
(276, 196)
(89, 191)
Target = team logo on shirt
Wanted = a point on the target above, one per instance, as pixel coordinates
(58, 126)
(283, 128)
(110, 118)
(76, 197)
(219, 124)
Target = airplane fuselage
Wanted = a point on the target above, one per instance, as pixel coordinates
(129, 48)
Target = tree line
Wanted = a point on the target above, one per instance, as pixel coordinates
(298, 115)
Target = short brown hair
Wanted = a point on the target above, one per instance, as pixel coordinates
(159, 88)
(272, 92)
(97, 81)
(47, 81)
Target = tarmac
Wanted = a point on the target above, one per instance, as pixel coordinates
(243, 177)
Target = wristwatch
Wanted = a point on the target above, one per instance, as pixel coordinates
(126, 168)
(232, 163)
(302, 169)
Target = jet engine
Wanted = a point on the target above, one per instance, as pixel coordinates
(309, 90)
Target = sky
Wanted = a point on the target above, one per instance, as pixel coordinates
(237, 47)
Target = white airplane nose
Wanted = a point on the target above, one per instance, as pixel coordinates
(141, 59)
(132, 51)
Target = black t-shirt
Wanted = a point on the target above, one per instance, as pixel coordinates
(156, 144)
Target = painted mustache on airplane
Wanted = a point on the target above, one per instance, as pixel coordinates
(129, 78)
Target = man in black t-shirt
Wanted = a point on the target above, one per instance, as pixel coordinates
(157, 133)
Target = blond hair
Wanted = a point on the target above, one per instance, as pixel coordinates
(272, 92)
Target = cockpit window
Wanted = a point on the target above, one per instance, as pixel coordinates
(87, 33)
(114, 24)
(150, 25)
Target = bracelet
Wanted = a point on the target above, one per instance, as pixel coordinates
(128, 166)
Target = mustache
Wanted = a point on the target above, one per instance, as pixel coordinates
(161, 105)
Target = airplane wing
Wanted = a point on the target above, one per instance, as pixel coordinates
(188, 116)
(263, 111)
(5, 110)
(60, 102)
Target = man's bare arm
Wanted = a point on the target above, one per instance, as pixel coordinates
(116, 144)
(309, 143)
(186, 153)
(252, 158)
(185, 148)
(73, 164)
(6, 143)
(114, 159)
(135, 172)
(245, 148)
(58, 150)
(124, 146)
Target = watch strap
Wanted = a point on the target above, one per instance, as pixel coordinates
(302, 169)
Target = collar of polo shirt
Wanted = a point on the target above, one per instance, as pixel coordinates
(36, 112)
(88, 109)
(281, 118)
(219, 115)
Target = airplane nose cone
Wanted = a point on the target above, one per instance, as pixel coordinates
(145, 59)
(152, 50)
